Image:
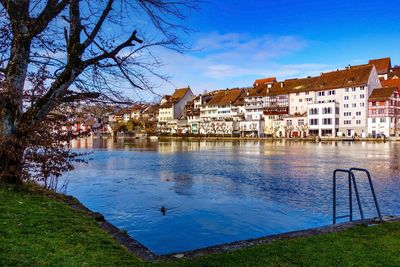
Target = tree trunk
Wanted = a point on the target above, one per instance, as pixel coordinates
(12, 143)
(11, 161)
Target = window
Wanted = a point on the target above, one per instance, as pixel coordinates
(362, 104)
(313, 111)
(288, 122)
(321, 93)
(358, 113)
(358, 121)
(327, 121)
(347, 114)
(373, 120)
(346, 97)
(313, 121)
(354, 105)
(331, 92)
(300, 100)
(346, 105)
(347, 90)
(362, 88)
(362, 96)
(300, 122)
(353, 89)
(347, 122)
(354, 97)
(307, 93)
(327, 110)
(383, 120)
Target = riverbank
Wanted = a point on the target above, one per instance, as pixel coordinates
(269, 139)
(38, 228)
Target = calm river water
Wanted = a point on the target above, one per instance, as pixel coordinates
(217, 192)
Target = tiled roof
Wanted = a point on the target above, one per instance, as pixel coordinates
(175, 98)
(225, 97)
(349, 77)
(381, 94)
(391, 83)
(264, 81)
(179, 94)
(382, 65)
(395, 72)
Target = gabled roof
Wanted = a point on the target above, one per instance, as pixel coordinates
(357, 75)
(349, 77)
(179, 94)
(225, 97)
(382, 65)
(382, 94)
(391, 83)
(331, 80)
(175, 98)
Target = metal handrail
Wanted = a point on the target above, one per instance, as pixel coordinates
(351, 180)
(372, 189)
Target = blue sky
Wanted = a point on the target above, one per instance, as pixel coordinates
(237, 41)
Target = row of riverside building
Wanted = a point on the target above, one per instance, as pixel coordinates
(355, 101)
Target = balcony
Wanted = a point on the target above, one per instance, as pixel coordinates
(276, 110)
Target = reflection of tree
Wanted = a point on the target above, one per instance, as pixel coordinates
(183, 185)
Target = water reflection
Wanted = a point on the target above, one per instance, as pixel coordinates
(216, 192)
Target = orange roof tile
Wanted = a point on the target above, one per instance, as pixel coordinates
(179, 94)
(264, 81)
(349, 77)
(395, 72)
(391, 83)
(382, 94)
(225, 97)
(382, 65)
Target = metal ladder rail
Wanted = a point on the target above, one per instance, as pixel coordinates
(378, 210)
(351, 179)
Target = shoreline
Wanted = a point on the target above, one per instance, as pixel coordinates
(144, 253)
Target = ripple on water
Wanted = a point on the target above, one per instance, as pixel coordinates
(216, 192)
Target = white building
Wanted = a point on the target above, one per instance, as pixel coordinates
(221, 106)
(172, 109)
(350, 88)
(384, 112)
(323, 119)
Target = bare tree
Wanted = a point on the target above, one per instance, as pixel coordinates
(91, 46)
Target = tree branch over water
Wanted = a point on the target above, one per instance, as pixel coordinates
(117, 38)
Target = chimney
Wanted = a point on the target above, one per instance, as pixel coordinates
(282, 84)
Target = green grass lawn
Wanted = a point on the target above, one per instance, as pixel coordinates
(39, 231)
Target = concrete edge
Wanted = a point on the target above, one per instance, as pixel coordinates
(145, 254)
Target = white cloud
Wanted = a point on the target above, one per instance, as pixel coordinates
(235, 60)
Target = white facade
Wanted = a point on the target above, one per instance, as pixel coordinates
(296, 126)
(251, 128)
(353, 104)
(323, 119)
(298, 101)
(382, 125)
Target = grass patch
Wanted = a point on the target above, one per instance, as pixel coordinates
(38, 230)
